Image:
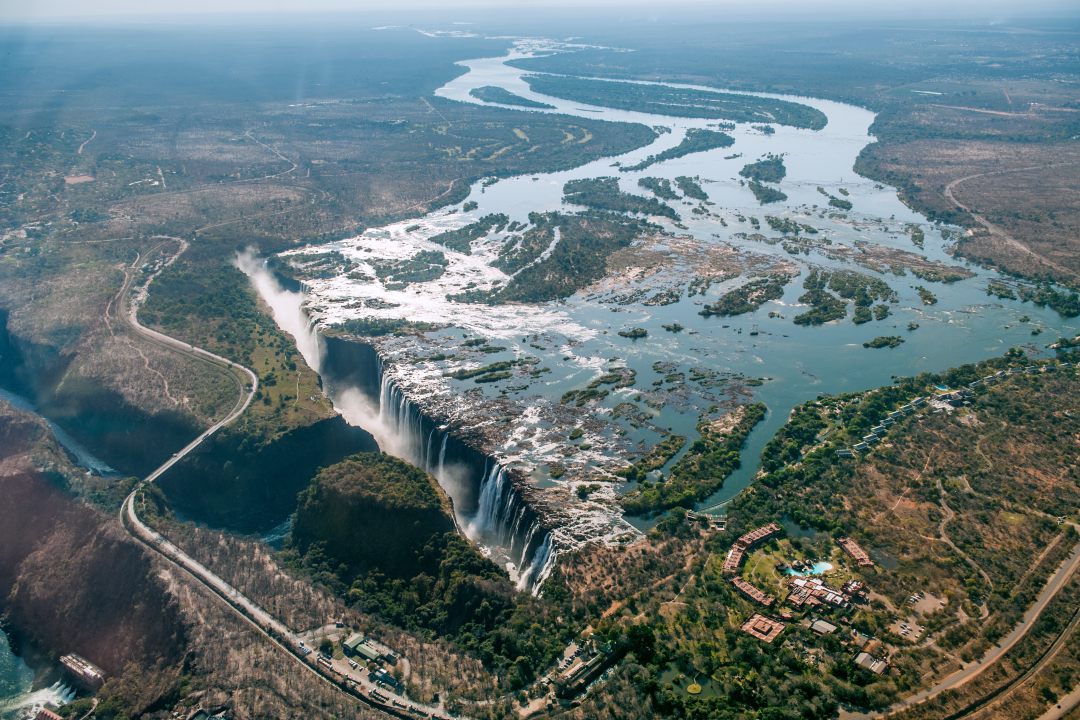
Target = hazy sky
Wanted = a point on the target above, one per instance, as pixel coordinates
(51, 10)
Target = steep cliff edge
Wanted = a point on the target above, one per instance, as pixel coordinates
(238, 482)
(380, 533)
(373, 512)
(70, 579)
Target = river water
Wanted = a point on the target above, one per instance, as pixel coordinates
(17, 693)
(15, 680)
(74, 448)
(576, 340)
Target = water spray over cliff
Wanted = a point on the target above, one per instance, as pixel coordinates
(487, 506)
(287, 308)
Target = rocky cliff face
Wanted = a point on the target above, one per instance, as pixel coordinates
(372, 512)
(128, 437)
(383, 528)
(235, 482)
(70, 579)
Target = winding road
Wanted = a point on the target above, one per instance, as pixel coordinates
(1053, 585)
(339, 674)
(996, 231)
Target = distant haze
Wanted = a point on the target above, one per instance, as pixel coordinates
(69, 10)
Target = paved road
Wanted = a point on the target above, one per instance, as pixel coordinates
(248, 610)
(1064, 706)
(972, 670)
(987, 704)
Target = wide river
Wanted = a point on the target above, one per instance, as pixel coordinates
(576, 339)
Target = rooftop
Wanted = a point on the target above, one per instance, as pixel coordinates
(763, 628)
(871, 663)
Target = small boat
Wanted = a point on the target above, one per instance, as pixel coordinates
(754, 330)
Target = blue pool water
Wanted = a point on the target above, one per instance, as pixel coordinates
(818, 568)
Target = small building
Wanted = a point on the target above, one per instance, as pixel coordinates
(853, 549)
(382, 677)
(82, 672)
(763, 628)
(822, 628)
(812, 592)
(856, 591)
(753, 593)
(844, 453)
(358, 646)
(733, 560)
(578, 676)
(860, 447)
(738, 550)
(875, 665)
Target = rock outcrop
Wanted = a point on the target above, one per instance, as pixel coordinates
(71, 580)
(373, 512)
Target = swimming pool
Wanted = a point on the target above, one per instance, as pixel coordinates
(818, 568)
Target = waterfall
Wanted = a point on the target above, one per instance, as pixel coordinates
(491, 488)
(504, 519)
(498, 518)
(442, 456)
(543, 561)
(286, 306)
(486, 504)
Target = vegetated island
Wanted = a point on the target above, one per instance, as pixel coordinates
(884, 341)
(502, 96)
(766, 194)
(461, 239)
(603, 193)
(696, 140)
(701, 471)
(768, 169)
(848, 285)
(839, 203)
(577, 259)
(691, 187)
(678, 102)
(748, 297)
(660, 187)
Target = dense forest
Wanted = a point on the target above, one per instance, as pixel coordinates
(680, 102)
(380, 533)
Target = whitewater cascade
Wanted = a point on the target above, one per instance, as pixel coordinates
(488, 507)
(58, 694)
